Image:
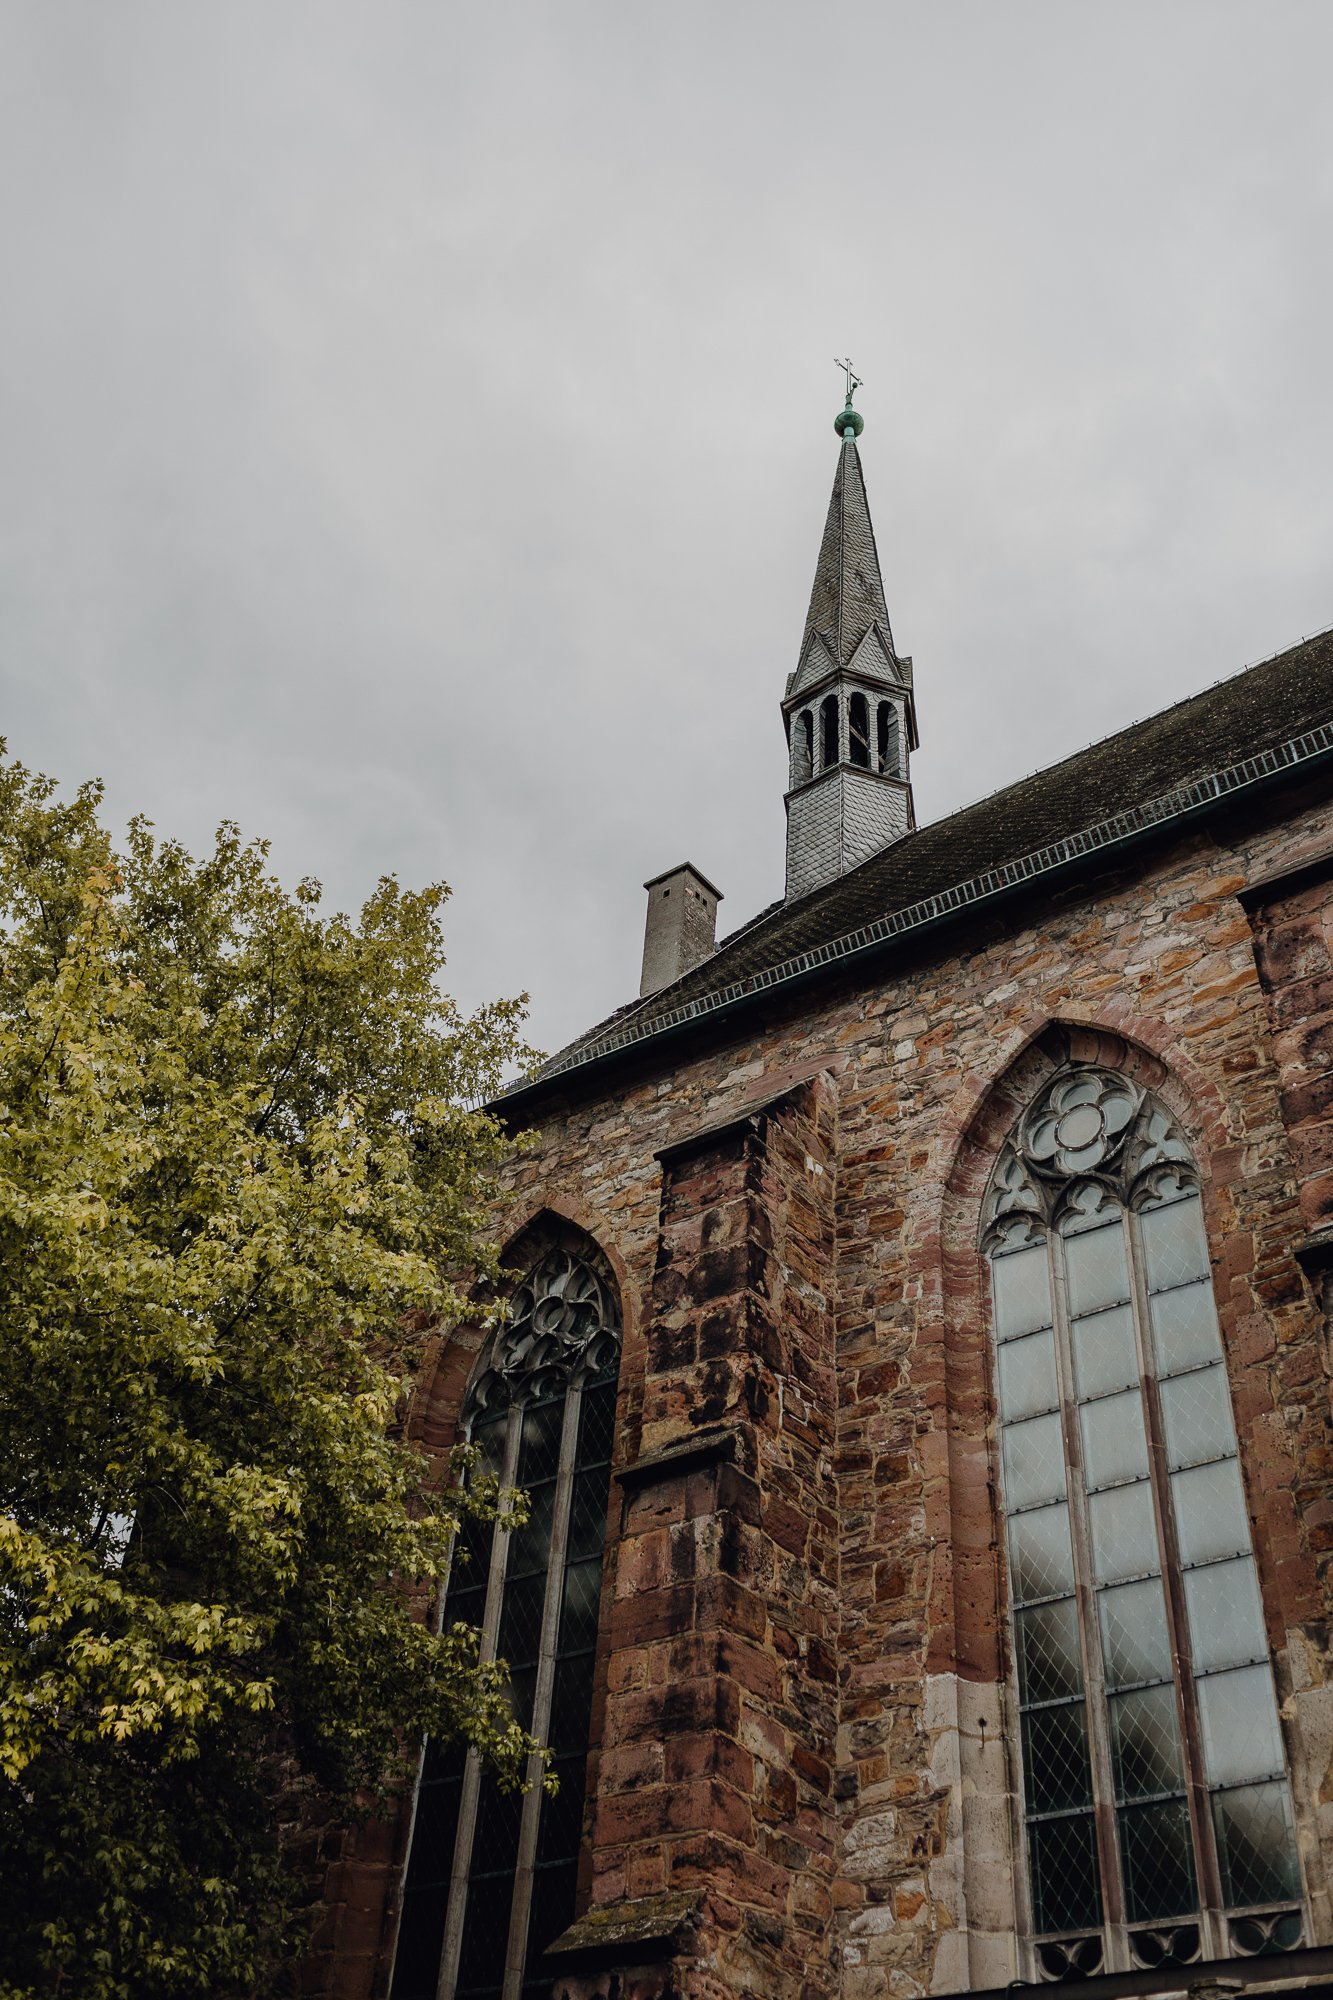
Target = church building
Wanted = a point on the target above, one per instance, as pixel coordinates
(919, 1368)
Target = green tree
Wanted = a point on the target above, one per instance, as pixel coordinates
(240, 1157)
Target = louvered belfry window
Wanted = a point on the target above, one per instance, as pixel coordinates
(490, 1879)
(1157, 1806)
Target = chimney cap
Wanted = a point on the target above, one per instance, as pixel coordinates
(684, 868)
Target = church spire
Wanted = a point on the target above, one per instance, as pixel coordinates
(848, 709)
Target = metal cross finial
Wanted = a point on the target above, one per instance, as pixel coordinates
(853, 379)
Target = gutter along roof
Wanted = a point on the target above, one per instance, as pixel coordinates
(1230, 741)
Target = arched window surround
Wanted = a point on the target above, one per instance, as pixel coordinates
(1044, 1189)
(540, 1403)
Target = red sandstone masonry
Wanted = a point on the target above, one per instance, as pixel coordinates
(719, 1787)
(774, 1597)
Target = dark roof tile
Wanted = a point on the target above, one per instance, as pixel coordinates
(1255, 711)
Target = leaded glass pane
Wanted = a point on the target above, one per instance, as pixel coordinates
(1066, 1893)
(1256, 1845)
(1049, 1662)
(1185, 1328)
(416, 1968)
(578, 1617)
(1136, 1645)
(1158, 1859)
(1124, 1533)
(1034, 1462)
(553, 1886)
(1027, 1377)
(562, 1811)
(1097, 1270)
(1145, 1743)
(488, 1441)
(1105, 1355)
(1239, 1725)
(1022, 1287)
(1210, 1512)
(1175, 1249)
(1226, 1618)
(539, 1456)
(425, 1891)
(490, 1892)
(1040, 1560)
(521, 1621)
(1115, 1444)
(1055, 1758)
(587, 1519)
(1196, 1417)
(496, 1836)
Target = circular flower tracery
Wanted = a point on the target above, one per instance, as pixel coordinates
(1080, 1123)
(1091, 1122)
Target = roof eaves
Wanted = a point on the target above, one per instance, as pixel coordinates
(1104, 836)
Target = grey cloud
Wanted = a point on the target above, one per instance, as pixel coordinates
(418, 420)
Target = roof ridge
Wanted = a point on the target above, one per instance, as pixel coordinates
(1153, 715)
(1099, 835)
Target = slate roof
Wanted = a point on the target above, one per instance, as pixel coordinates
(847, 596)
(1243, 731)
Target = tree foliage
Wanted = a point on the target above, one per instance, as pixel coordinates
(239, 1160)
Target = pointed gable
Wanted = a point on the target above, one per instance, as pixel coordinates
(876, 661)
(817, 663)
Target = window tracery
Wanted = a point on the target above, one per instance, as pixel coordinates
(1157, 1807)
(491, 1877)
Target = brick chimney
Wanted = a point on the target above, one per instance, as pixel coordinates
(682, 926)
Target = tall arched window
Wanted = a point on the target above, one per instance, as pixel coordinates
(1157, 1806)
(491, 1876)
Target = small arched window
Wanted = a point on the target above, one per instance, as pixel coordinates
(491, 1876)
(858, 730)
(803, 748)
(888, 741)
(1157, 1806)
(829, 753)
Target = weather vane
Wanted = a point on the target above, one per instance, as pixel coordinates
(853, 379)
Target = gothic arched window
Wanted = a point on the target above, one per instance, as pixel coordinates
(1157, 1807)
(491, 1875)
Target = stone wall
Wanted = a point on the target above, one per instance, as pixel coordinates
(715, 1780)
(806, 1781)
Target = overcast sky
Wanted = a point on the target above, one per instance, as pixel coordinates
(416, 419)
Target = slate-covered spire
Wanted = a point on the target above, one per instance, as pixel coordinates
(848, 709)
(847, 598)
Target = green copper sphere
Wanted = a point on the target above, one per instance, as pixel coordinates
(849, 419)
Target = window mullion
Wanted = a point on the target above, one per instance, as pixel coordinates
(471, 1789)
(436, 1619)
(1196, 1790)
(530, 1821)
(1094, 1680)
